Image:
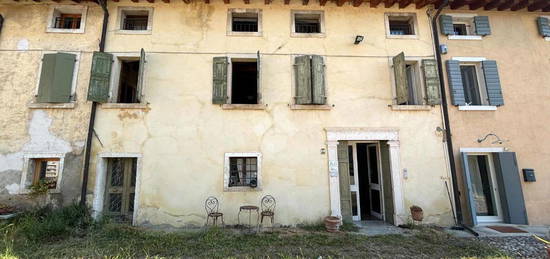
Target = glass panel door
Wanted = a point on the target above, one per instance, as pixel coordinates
(354, 183)
(484, 188)
(374, 181)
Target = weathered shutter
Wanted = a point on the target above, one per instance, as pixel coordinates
(56, 78)
(492, 82)
(431, 81)
(1, 22)
(483, 27)
(318, 80)
(401, 84)
(389, 210)
(454, 77)
(544, 26)
(219, 85)
(470, 201)
(258, 78)
(139, 89)
(343, 175)
(98, 90)
(302, 68)
(446, 25)
(510, 191)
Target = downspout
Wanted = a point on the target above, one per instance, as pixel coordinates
(85, 174)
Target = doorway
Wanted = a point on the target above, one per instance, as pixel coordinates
(367, 197)
(484, 187)
(120, 188)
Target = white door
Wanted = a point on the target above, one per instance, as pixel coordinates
(373, 158)
(484, 188)
(354, 182)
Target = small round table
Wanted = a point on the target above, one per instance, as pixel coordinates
(249, 208)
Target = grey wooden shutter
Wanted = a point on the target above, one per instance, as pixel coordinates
(100, 77)
(343, 173)
(139, 89)
(446, 25)
(318, 80)
(492, 82)
(401, 84)
(483, 27)
(431, 81)
(544, 26)
(56, 78)
(219, 77)
(302, 68)
(510, 191)
(470, 201)
(454, 78)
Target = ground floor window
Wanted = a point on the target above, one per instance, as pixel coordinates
(46, 171)
(242, 171)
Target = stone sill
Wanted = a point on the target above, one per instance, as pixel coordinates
(134, 32)
(465, 37)
(547, 38)
(408, 37)
(244, 34)
(325, 107)
(242, 189)
(51, 105)
(244, 106)
(477, 108)
(124, 106)
(73, 31)
(396, 107)
(307, 35)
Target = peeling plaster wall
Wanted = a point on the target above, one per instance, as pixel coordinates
(25, 130)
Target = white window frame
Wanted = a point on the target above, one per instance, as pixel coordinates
(293, 32)
(73, 83)
(120, 17)
(82, 9)
(230, 105)
(419, 79)
(226, 172)
(115, 80)
(414, 25)
(468, 19)
(232, 11)
(27, 174)
(485, 106)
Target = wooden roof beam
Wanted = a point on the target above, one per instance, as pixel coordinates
(287, 2)
(389, 3)
(404, 3)
(357, 3)
(341, 2)
(546, 9)
(457, 4)
(246, 1)
(520, 5)
(305, 2)
(374, 3)
(151, 1)
(537, 5)
(505, 5)
(477, 4)
(135, 1)
(321, 2)
(421, 3)
(267, 2)
(166, 1)
(491, 5)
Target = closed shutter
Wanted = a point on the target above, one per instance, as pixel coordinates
(470, 201)
(431, 81)
(446, 25)
(139, 89)
(492, 82)
(483, 27)
(219, 85)
(318, 79)
(343, 173)
(98, 90)
(302, 68)
(544, 26)
(401, 83)
(510, 191)
(56, 78)
(455, 82)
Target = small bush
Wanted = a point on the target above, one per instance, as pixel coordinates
(51, 224)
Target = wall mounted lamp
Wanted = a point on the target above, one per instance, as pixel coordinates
(497, 141)
(358, 39)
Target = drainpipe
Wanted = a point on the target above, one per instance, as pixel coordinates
(103, 4)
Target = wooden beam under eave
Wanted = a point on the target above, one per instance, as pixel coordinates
(322, 2)
(404, 3)
(389, 3)
(374, 3)
(491, 5)
(505, 5)
(357, 3)
(457, 4)
(537, 5)
(267, 2)
(340, 2)
(546, 9)
(305, 2)
(287, 2)
(474, 5)
(520, 5)
(135, 1)
(246, 1)
(151, 1)
(166, 1)
(420, 3)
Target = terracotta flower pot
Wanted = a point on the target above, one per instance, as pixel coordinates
(332, 224)
(417, 213)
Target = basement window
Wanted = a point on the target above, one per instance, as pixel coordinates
(401, 25)
(242, 171)
(44, 169)
(307, 23)
(67, 19)
(244, 81)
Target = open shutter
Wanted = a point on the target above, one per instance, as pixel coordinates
(56, 78)
(483, 27)
(98, 90)
(446, 25)
(318, 80)
(302, 68)
(454, 77)
(258, 78)
(431, 81)
(401, 83)
(343, 175)
(389, 210)
(492, 82)
(139, 90)
(219, 85)
(544, 26)
(511, 193)
(1, 22)
(470, 202)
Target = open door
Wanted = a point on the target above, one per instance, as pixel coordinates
(374, 176)
(389, 210)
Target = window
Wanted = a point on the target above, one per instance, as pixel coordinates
(67, 19)
(474, 88)
(236, 81)
(474, 82)
(400, 24)
(309, 73)
(57, 79)
(412, 86)
(42, 168)
(135, 19)
(244, 22)
(242, 171)
(414, 91)
(464, 26)
(307, 23)
(128, 81)
(46, 171)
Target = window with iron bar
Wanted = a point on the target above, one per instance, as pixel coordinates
(245, 22)
(307, 23)
(68, 21)
(243, 171)
(135, 22)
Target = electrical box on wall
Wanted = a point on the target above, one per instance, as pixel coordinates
(443, 48)
(529, 175)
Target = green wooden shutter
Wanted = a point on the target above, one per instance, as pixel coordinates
(454, 78)
(401, 84)
(219, 85)
(100, 77)
(483, 27)
(492, 82)
(139, 89)
(544, 26)
(470, 201)
(56, 78)
(389, 210)
(510, 191)
(431, 81)
(258, 77)
(343, 175)
(302, 68)
(318, 80)
(446, 25)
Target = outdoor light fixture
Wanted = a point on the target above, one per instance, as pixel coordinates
(358, 39)
(498, 141)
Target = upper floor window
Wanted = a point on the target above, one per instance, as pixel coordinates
(309, 75)
(401, 25)
(135, 20)
(244, 22)
(57, 81)
(416, 81)
(464, 26)
(306, 23)
(67, 19)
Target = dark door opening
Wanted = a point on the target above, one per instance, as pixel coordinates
(127, 87)
(244, 83)
(370, 187)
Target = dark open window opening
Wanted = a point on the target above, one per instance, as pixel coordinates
(471, 85)
(401, 25)
(127, 88)
(135, 20)
(460, 29)
(244, 22)
(46, 170)
(307, 23)
(67, 21)
(243, 171)
(244, 83)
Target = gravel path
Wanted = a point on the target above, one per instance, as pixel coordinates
(518, 246)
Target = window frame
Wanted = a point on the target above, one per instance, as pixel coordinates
(227, 169)
(35, 104)
(292, 103)
(82, 9)
(229, 25)
(28, 172)
(121, 15)
(295, 34)
(230, 104)
(115, 81)
(419, 85)
(468, 19)
(414, 23)
(480, 76)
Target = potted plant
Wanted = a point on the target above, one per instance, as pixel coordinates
(417, 213)
(332, 223)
